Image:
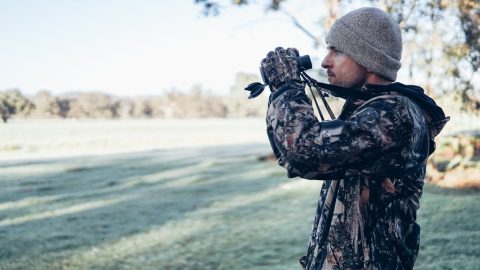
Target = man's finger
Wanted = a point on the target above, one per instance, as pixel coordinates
(293, 52)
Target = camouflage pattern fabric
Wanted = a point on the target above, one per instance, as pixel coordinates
(280, 66)
(375, 155)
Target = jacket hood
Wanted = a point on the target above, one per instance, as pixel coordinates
(434, 115)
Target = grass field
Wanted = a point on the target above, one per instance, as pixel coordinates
(209, 206)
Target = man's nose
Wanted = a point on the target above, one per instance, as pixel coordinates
(326, 63)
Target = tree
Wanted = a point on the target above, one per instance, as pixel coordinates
(46, 105)
(123, 108)
(443, 44)
(236, 101)
(12, 102)
(4, 112)
(91, 105)
(441, 39)
(196, 103)
(141, 108)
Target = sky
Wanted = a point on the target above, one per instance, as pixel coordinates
(141, 47)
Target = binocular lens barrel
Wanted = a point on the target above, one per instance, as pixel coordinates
(304, 63)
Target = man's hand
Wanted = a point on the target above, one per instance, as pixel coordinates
(280, 67)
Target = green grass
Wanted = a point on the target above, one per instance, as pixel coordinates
(450, 221)
(195, 208)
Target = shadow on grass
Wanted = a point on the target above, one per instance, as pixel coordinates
(195, 208)
(107, 198)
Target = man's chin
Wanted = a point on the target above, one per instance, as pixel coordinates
(332, 81)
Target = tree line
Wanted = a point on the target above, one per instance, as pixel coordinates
(194, 103)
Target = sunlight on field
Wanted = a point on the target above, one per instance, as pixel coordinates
(27, 202)
(50, 138)
(60, 212)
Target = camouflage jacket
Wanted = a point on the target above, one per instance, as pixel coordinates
(374, 157)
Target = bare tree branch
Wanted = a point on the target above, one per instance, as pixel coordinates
(316, 41)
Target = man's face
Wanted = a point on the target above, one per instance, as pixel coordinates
(342, 70)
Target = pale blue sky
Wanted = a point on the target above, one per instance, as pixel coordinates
(140, 47)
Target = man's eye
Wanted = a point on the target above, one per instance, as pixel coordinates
(337, 51)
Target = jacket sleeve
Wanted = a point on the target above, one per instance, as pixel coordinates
(326, 150)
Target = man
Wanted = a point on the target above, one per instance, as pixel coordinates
(374, 154)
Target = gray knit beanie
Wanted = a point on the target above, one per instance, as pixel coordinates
(372, 38)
